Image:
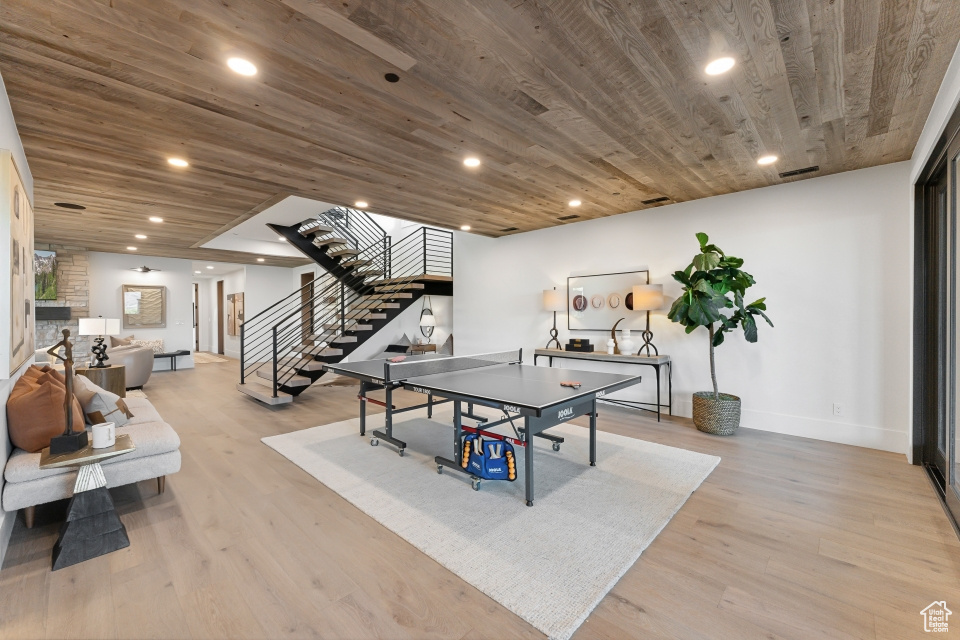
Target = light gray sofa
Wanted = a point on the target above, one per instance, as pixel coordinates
(157, 455)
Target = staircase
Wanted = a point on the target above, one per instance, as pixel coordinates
(368, 281)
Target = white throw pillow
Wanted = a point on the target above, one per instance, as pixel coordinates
(99, 405)
(156, 345)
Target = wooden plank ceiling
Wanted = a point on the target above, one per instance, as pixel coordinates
(603, 101)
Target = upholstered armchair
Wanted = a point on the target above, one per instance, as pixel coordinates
(137, 360)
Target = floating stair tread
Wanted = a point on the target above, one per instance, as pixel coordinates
(315, 229)
(375, 304)
(350, 326)
(399, 286)
(322, 242)
(342, 252)
(282, 375)
(263, 394)
(367, 315)
(343, 339)
(419, 278)
(353, 263)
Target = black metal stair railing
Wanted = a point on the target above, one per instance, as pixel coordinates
(323, 313)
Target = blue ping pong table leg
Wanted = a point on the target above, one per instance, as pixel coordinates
(528, 462)
(593, 435)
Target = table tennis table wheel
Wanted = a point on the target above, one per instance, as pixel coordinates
(475, 483)
(401, 453)
(374, 442)
(556, 446)
(440, 469)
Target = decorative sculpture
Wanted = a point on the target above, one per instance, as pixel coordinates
(69, 441)
(613, 335)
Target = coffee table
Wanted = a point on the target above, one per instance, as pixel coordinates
(173, 357)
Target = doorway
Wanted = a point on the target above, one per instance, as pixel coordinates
(220, 317)
(936, 320)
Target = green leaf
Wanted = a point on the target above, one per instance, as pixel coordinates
(691, 328)
(703, 239)
(759, 304)
(764, 317)
(718, 338)
(706, 261)
(678, 310)
(749, 328)
(681, 277)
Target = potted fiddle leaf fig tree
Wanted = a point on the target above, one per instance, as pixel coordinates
(713, 292)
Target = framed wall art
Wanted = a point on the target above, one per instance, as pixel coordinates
(144, 306)
(234, 313)
(596, 302)
(17, 213)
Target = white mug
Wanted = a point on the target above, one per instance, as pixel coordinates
(104, 435)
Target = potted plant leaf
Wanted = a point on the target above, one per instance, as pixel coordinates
(713, 293)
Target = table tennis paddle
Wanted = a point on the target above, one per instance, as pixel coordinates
(571, 384)
(398, 359)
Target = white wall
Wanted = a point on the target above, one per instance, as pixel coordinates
(831, 254)
(9, 139)
(110, 271)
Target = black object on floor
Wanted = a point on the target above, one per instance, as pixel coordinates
(92, 529)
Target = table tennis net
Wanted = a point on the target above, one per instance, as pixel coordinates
(416, 368)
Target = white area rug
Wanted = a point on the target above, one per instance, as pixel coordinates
(552, 563)
(136, 393)
(200, 357)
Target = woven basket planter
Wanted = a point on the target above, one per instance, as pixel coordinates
(719, 417)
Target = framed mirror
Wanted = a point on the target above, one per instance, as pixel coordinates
(144, 306)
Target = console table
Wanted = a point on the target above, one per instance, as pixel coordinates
(651, 361)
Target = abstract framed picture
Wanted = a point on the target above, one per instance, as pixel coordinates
(595, 302)
(18, 213)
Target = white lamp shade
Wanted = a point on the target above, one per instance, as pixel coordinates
(428, 320)
(647, 297)
(554, 300)
(99, 326)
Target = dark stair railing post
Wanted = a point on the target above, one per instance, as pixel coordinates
(241, 354)
(275, 361)
(343, 315)
(424, 230)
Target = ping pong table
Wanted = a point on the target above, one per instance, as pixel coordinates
(496, 380)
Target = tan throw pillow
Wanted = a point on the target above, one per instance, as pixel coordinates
(99, 405)
(120, 342)
(35, 413)
(156, 345)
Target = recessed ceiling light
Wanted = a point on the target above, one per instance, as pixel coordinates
(69, 205)
(465, 227)
(140, 236)
(471, 162)
(765, 160)
(178, 162)
(720, 65)
(196, 272)
(155, 219)
(131, 248)
(242, 66)
(391, 77)
(259, 259)
(360, 204)
(574, 203)
(209, 266)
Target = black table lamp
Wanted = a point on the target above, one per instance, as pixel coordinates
(554, 301)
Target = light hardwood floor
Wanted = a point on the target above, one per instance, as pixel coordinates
(788, 538)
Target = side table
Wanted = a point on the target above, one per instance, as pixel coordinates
(112, 378)
(173, 357)
(92, 527)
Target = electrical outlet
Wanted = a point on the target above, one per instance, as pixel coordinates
(837, 409)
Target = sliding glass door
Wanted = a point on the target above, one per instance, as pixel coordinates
(947, 432)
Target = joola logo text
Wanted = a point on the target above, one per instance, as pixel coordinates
(419, 389)
(600, 394)
(565, 413)
(510, 407)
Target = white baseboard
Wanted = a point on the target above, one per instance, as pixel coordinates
(858, 435)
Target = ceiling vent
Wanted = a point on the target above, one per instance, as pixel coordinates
(571, 217)
(508, 230)
(655, 200)
(798, 172)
